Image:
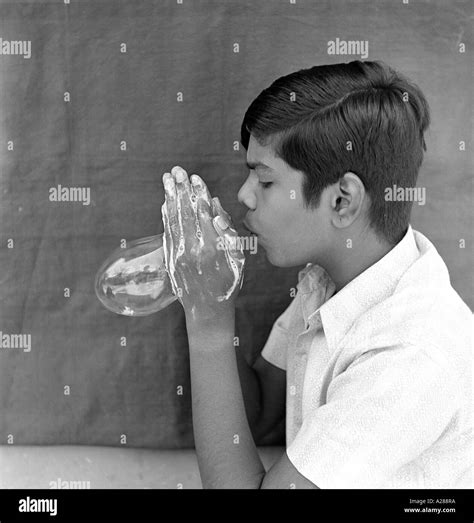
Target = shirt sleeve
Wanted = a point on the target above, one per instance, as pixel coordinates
(382, 412)
(281, 335)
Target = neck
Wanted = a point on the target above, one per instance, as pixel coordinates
(347, 264)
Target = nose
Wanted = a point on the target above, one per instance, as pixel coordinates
(246, 195)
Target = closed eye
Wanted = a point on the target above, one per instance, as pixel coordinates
(265, 184)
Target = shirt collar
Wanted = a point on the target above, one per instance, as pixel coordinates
(315, 287)
(337, 313)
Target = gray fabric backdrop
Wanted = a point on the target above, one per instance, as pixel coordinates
(132, 96)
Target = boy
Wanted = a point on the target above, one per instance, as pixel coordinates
(373, 355)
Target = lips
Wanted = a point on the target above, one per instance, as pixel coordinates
(246, 225)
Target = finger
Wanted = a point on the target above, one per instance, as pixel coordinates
(219, 210)
(233, 251)
(168, 248)
(171, 205)
(220, 224)
(167, 238)
(200, 189)
(221, 227)
(185, 205)
(214, 206)
(203, 202)
(183, 187)
(229, 238)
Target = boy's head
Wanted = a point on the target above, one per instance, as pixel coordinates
(335, 137)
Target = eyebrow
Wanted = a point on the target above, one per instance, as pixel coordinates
(254, 165)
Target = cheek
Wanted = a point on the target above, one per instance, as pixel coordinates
(282, 219)
(282, 213)
(290, 226)
(292, 241)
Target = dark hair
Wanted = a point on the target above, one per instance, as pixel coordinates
(310, 115)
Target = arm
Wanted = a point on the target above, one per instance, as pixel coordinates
(201, 274)
(264, 389)
(226, 451)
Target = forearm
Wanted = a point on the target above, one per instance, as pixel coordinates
(250, 386)
(265, 431)
(226, 451)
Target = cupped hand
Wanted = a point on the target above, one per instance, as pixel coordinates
(204, 259)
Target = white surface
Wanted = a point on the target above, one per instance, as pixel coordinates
(37, 467)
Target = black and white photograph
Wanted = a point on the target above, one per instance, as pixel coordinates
(236, 253)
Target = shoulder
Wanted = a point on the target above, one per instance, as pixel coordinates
(435, 317)
(430, 331)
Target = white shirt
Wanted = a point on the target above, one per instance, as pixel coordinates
(379, 376)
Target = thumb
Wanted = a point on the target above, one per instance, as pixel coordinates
(219, 210)
(228, 239)
(222, 229)
(220, 224)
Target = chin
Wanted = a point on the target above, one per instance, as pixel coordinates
(278, 259)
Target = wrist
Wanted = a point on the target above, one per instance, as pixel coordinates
(217, 318)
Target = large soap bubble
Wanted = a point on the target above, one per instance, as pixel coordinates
(134, 281)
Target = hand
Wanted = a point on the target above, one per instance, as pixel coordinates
(204, 261)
